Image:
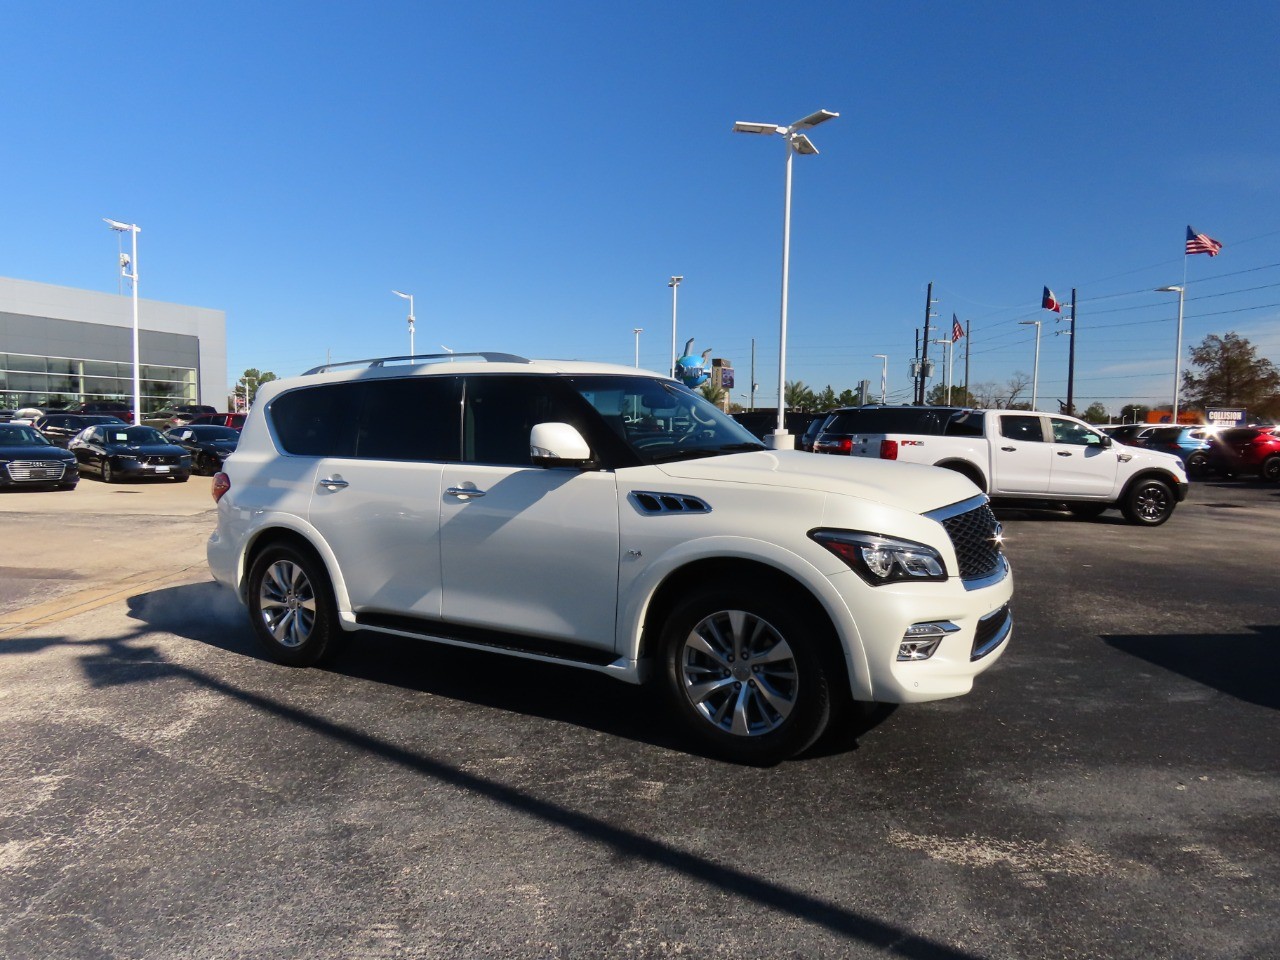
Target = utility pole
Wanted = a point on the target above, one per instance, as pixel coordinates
(924, 355)
(967, 341)
(753, 373)
(915, 380)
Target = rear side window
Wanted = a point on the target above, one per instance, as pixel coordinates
(966, 423)
(1021, 428)
(402, 419)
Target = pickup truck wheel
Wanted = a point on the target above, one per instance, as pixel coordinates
(291, 606)
(1270, 469)
(1149, 503)
(744, 675)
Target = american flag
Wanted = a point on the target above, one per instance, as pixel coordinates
(1201, 243)
(1049, 302)
(957, 331)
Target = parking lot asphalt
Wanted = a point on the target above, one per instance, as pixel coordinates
(1111, 788)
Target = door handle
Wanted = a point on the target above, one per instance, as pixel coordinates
(333, 483)
(1008, 449)
(464, 493)
(1064, 453)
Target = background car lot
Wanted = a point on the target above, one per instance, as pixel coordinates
(1111, 788)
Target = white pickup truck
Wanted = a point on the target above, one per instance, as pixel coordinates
(1017, 455)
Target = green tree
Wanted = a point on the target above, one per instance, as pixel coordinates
(826, 399)
(847, 398)
(1227, 372)
(800, 397)
(248, 384)
(1095, 413)
(960, 397)
(713, 394)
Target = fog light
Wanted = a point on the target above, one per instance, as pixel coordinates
(921, 640)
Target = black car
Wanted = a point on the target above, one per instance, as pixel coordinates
(59, 428)
(27, 459)
(208, 445)
(122, 452)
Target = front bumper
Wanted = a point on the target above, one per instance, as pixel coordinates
(136, 469)
(38, 473)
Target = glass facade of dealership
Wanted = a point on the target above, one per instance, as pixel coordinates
(59, 346)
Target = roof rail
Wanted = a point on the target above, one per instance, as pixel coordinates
(382, 361)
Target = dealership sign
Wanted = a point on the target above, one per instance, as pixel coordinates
(1226, 416)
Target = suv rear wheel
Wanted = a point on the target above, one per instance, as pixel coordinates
(291, 606)
(744, 675)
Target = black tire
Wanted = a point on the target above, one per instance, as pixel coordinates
(757, 713)
(205, 466)
(1088, 511)
(108, 475)
(1149, 503)
(68, 486)
(182, 477)
(1270, 469)
(291, 606)
(1197, 465)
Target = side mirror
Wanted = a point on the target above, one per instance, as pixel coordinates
(558, 445)
(1106, 442)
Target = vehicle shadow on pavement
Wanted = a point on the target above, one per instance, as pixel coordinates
(1054, 514)
(130, 659)
(1244, 666)
(207, 613)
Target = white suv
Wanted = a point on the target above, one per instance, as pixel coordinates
(609, 519)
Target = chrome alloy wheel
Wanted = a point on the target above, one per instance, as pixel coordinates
(287, 602)
(1152, 502)
(739, 673)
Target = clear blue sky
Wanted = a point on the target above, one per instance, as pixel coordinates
(534, 172)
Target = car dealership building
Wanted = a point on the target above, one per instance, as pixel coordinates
(59, 345)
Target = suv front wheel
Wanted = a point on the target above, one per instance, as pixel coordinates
(744, 675)
(291, 606)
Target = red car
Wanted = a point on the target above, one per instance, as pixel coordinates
(1243, 450)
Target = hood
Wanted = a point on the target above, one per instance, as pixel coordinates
(28, 452)
(908, 486)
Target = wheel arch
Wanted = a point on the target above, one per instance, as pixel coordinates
(966, 468)
(1150, 473)
(304, 539)
(843, 654)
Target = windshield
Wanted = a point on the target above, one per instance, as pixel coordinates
(662, 421)
(20, 436)
(135, 435)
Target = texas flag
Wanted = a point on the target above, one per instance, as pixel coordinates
(1050, 302)
(957, 331)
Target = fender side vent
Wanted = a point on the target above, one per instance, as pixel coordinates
(658, 503)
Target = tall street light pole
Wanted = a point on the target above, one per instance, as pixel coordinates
(884, 375)
(950, 345)
(127, 263)
(637, 331)
(674, 284)
(797, 142)
(1035, 370)
(1177, 356)
(409, 297)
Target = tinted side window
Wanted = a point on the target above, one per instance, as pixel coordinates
(414, 418)
(966, 423)
(1021, 428)
(872, 420)
(317, 421)
(499, 412)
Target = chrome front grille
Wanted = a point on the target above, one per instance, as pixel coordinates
(975, 535)
(36, 471)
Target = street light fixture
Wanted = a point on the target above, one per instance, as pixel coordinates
(1035, 371)
(409, 297)
(1177, 356)
(673, 283)
(884, 374)
(127, 262)
(637, 331)
(796, 142)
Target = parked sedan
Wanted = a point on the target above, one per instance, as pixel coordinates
(1189, 443)
(27, 459)
(60, 428)
(177, 416)
(123, 453)
(1246, 450)
(233, 420)
(208, 445)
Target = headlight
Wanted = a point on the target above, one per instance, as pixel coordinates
(880, 560)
